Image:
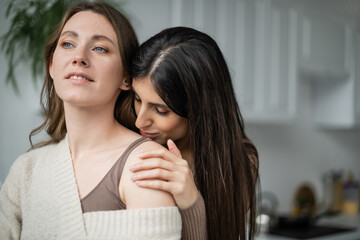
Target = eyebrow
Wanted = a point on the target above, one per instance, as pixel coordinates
(152, 103)
(94, 37)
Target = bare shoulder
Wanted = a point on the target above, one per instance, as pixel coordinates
(144, 147)
(135, 196)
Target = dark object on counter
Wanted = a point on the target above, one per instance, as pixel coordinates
(304, 201)
(287, 220)
(290, 221)
(309, 231)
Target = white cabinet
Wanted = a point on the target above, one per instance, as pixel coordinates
(259, 41)
(322, 54)
(337, 103)
(266, 61)
(330, 60)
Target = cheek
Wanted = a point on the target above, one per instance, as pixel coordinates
(51, 70)
(175, 127)
(51, 66)
(55, 65)
(112, 68)
(136, 107)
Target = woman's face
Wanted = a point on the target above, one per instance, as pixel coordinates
(154, 118)
(86, 66)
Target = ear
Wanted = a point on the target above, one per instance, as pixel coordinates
(125, 85)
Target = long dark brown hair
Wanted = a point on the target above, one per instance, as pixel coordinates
(190, 74)
(52, 106)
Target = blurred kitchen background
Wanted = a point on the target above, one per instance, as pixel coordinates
(296, 71)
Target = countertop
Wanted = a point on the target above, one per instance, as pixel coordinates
(341, 220)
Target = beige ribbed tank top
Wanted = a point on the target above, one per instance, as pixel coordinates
(105, 196)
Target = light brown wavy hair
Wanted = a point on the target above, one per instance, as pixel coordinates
(52, 106)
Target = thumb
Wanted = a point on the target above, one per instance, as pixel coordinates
(173, 148)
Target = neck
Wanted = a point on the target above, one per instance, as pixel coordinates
(89, 129)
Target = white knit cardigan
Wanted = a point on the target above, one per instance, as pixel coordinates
(39, 200)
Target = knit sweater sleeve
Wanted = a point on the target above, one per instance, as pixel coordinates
(10, 209)
(194, 221)
(136, 224)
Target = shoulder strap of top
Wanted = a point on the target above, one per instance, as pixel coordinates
(117, 170)
(130, 148)
(106, 193)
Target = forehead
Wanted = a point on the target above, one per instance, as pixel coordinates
(145, 89)
(90, 23)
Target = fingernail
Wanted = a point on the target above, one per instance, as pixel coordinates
(138, 182)
(134, 177)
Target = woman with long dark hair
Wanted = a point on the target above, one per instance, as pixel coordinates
(183, 91)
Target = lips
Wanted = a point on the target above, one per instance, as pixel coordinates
(148, 135)
(78, 77)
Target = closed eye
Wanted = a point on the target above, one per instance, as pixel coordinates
(137, 99)
(160, 111)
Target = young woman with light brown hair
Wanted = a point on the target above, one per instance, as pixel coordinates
(71, 186)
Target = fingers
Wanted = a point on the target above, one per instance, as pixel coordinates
(158, 174)
(173, 148)
(164, 154)
(152, 163)
(166, 170)
(155, 184)
(171, 187)
(178, 175)
(168, 176)
(161, 170)
(184, 195)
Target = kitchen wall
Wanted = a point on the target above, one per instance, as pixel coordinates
(291, 153)
(301, 152)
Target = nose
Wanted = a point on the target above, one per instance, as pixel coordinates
(143, 120)
(80, 59)
(82, 62)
